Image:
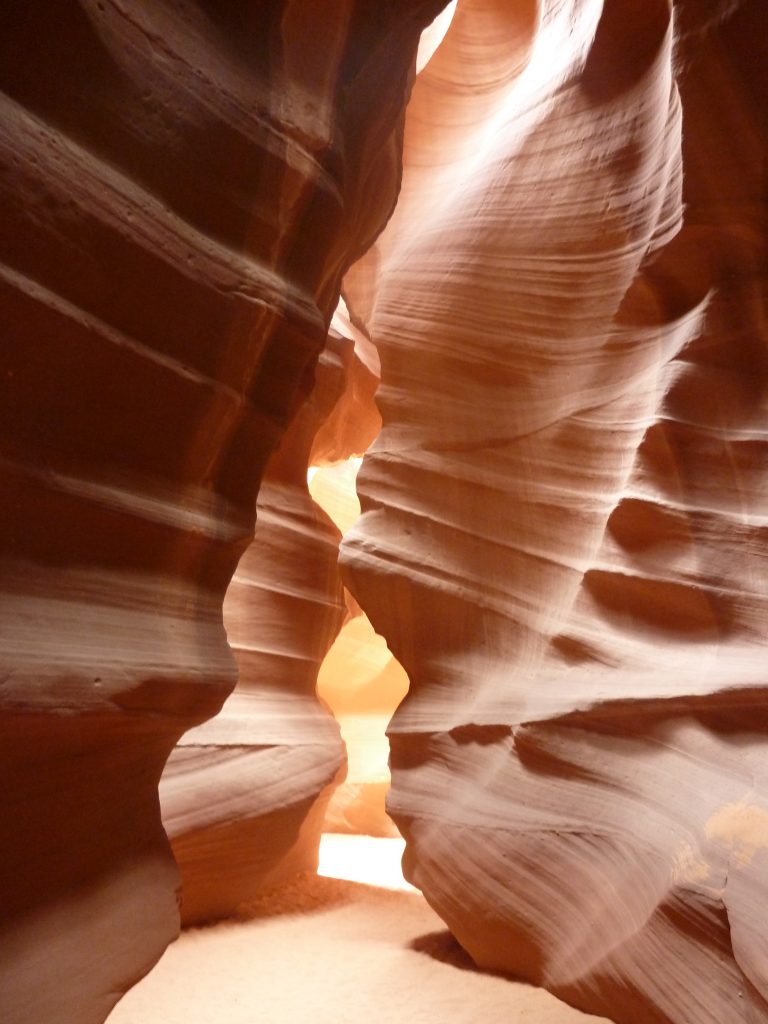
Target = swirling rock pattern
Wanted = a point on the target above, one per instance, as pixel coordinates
(182, 185)
(243, 795)
(563, 530)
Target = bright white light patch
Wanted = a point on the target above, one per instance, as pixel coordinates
(363, 859)
(433, 35)
(333, 488)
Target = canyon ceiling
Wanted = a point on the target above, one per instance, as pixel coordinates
(553, 266)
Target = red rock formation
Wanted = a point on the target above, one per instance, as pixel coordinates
(563, 538)
(182, 185)
(243, 795)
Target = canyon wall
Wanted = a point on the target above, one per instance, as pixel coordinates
(243, 795)
(564, 516)
(182, 186)
(563, 537)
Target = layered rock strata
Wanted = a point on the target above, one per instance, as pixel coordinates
(563, 530)
(182, 186)
(359, 679)
(243, 795)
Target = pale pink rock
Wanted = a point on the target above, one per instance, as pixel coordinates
(563, 530)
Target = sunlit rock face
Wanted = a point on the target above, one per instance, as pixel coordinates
(182, 186)
(363, 685)
(563, 530)
(360, 681)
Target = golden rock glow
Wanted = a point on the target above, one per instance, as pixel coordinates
(333, 488)
(359, 680)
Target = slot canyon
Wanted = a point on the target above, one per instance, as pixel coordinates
(384, 458)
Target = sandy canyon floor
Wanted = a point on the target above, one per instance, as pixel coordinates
(333, 951)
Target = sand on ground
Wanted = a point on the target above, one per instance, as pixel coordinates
(331, 951)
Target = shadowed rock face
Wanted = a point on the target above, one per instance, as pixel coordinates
(182, 186)
(563, 530)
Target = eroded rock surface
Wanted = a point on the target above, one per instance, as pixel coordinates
(563, 530)
(182, 185)
(359, 679)
(243, 795)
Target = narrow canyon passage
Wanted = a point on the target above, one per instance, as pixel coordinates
(499, 268)
(360, 681)
(333, 952)
(355, 941)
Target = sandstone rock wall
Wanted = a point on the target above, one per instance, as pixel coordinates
(243, 795)
(563, 530)
(563, 537)
(182, 185)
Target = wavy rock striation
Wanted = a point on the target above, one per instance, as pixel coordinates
(182, 185)
(564, 517)
(243, 795)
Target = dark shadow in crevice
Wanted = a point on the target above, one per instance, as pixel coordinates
(442, 946)
(446, 949)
